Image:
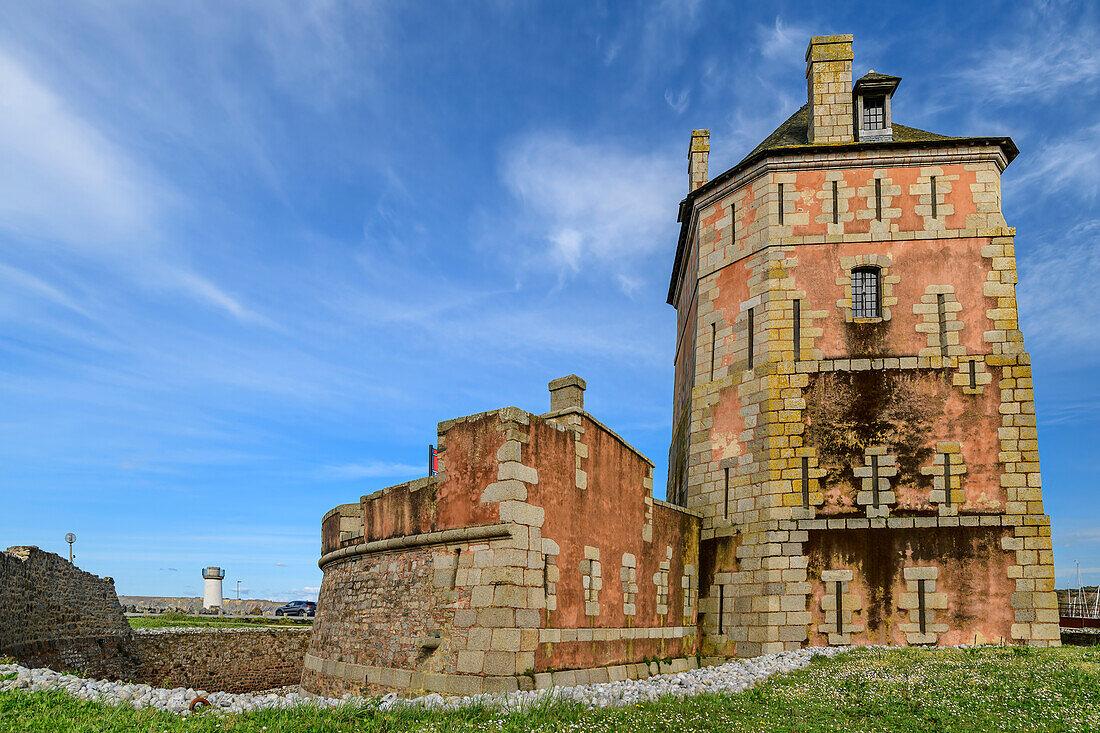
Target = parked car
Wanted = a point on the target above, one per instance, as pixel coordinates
(297, 608)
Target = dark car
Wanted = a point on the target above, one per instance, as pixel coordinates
(297, 608)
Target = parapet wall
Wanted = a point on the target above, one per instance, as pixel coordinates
(230, 660)
(58, 616)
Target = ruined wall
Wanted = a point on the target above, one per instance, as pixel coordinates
(230, 660)
(58, 616)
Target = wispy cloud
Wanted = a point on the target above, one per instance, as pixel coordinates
(22, 280)
(782, 42)
(678, 101)
(373, 469)
(589, 205)
(206, 291)
(1081, 537)
(1049, 54)
(304, 593)
(1058, 312)
(1066, 165)
(63, 180)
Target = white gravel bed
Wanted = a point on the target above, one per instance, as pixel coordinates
(732, 677)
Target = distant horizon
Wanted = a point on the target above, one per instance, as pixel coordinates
(252, 254)
(224, 598)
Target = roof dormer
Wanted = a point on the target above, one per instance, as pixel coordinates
(872, 93)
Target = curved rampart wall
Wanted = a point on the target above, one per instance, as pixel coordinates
(537, 550)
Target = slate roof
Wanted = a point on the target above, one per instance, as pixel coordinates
(792, 137)
(874, 76)
(795, 132)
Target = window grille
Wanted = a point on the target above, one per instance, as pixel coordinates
(865, 293)
(874, 113)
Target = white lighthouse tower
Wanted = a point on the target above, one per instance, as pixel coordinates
(212, 588)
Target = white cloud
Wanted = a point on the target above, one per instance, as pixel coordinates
(668, 27)
(301, 594)
(27, 282)
(678, 101)
(375, 469)
(593, 204)
(783, 43)
(201, 288)
(1050, 55)
(64, 182)
(60, 178)
(1069, 165)
(1080, 537)
(1059, 314)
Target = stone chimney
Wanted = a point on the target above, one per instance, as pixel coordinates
(698, 153)
(567, 392)
(829, 89)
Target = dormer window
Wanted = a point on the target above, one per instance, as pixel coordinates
(874, 113)
(872, 95)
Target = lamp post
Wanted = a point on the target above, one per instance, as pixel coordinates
(70, 538)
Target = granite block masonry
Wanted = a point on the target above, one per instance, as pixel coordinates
(853, 413)
(854, 456)
(527, 553)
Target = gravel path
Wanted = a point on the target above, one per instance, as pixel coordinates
(731, 677)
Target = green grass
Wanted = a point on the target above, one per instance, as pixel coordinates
(926, 691)
(179, 620)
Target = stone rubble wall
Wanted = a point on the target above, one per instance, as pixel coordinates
(222, 660)
(181, 604)
(59, 616)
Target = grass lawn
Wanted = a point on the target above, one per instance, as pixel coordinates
(998, 689)
(177, 620)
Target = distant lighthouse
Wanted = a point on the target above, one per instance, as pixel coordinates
(212, 588)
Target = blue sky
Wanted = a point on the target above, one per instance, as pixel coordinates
(251, 253)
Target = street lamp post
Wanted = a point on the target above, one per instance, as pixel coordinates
(70, 538)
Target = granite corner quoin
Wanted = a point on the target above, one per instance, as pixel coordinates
(854, 456)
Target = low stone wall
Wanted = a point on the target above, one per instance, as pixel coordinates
(53, 614)
(229, 660)
(181, 604)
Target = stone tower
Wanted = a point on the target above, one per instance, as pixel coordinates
(853, 414)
